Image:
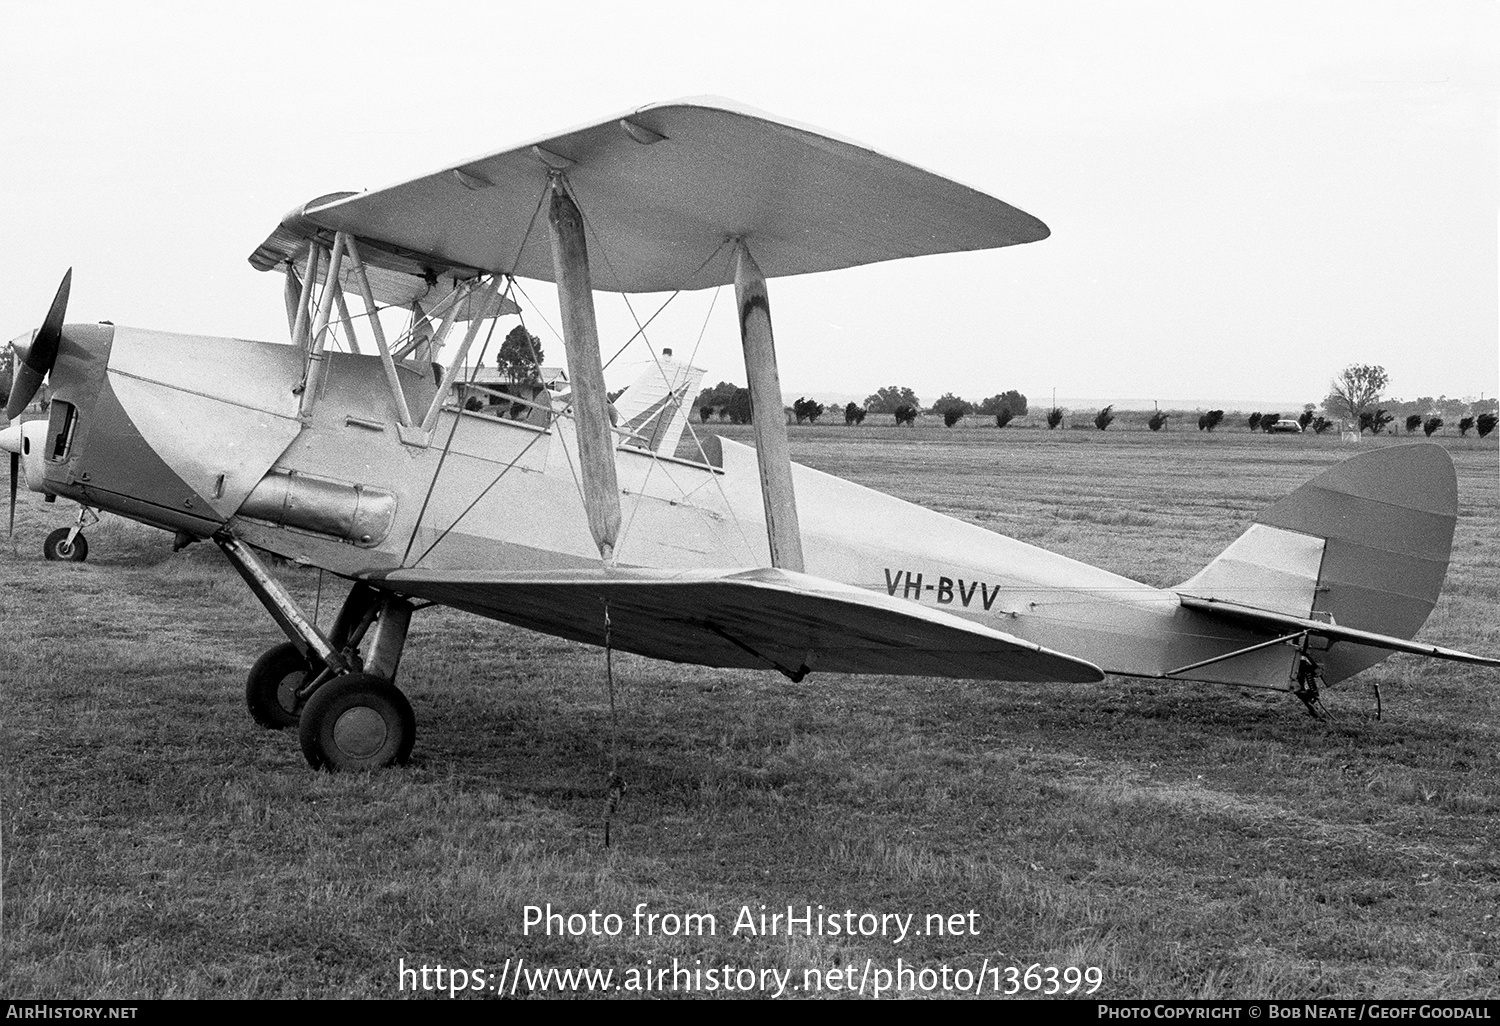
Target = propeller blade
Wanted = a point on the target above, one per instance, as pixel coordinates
(41, 354)
(15, 470)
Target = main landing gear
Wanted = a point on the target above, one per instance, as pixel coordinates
(337, 690)
(272, 689)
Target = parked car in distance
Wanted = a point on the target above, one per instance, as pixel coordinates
(1285, 427)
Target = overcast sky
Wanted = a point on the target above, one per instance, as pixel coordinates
(1243, 197)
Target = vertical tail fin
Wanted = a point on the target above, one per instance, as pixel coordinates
(655, 407)
(1365, 544)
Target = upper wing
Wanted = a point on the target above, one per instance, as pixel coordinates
(663, 187)
(757, 619)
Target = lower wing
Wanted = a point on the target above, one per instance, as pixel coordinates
(761, 619)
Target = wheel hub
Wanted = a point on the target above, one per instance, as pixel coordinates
(360, 731)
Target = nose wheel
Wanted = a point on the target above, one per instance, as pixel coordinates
(66, 545)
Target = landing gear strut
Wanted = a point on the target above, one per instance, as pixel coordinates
(337, 689)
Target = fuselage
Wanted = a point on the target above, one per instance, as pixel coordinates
(200, 435)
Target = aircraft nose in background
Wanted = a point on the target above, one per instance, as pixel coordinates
(32, 365)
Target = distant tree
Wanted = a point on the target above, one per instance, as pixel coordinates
(887, 399)
(738, 408)
(705, 412)
(1485, 423)
(1268, 421)
(1104, 418)
(1158, 421)
(719, 394)
(1413, 422)
(1357, 387)
(1321, 424)
(1012, 400)
(906, 414)
(716, 399)
(854, 414)
(1210, 420)
(1374, 421)
(1254, 421)
(1306, 418)
(807, 409)
(1464, 425)
(1054, 418)
(1003, 416)
(951, 408)
(520, 356)
(1433, 423)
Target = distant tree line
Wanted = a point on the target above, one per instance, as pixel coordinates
(1355, 400)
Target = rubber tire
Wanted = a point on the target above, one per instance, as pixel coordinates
(56, 547)
(339, 733)
(270, 687)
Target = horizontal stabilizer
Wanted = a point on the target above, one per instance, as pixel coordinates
(666, 187)
(755, 619)
(1282, 623)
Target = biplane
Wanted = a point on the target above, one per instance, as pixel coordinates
(366, 448)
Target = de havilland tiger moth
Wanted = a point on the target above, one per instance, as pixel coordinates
(547, 507)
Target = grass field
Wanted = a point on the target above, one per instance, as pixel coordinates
(1185, 842)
